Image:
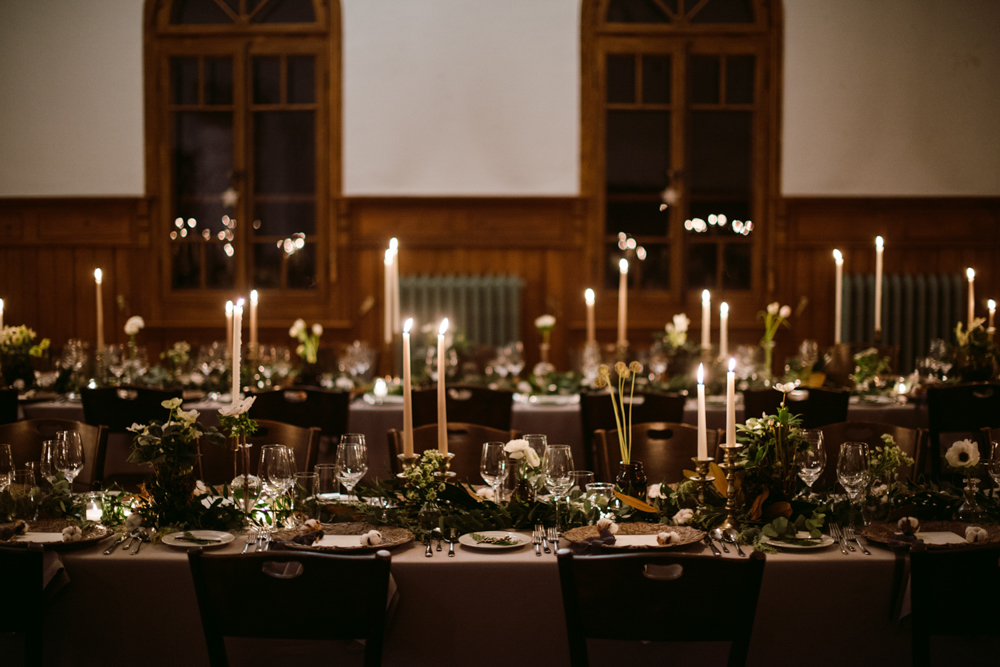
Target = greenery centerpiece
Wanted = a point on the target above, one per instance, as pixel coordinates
(17, 347)
(868, 367)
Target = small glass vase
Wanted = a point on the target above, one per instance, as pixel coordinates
(970, 510)
(765, 370)
(523, 489)
(631, 480)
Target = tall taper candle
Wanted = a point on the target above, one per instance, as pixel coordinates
(1, 313)
(394, 247)
(723, 330)
(237, 343)
(407, 392)
(971, 273)
(253, 321)
(702, 419)
(229, 328)
(706, 320)
(588, 296)
(878, 284)
(100, 312)
(731, 403)
(442, 412)
(991, 303)
(622, 301)
(838, 300)
(387, 299)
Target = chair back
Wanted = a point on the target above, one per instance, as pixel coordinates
(218, 463)
(665, 449)
(932, 591)
(963, 409)
(597, 412)
(8, 406)
(300, 586)
(22, 568)
(912, 441)
(465, 440)
(305, 407)
(817, 407)
(25, 440)
(668, 598)
(120, 407)
(465, 404)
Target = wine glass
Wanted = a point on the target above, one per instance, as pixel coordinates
(6, 467)
(993, 465)
(811, 461)
(538, 443)
(69, 456)
(328, 489)
(48, 462)
(493, 467)
(276, 470)
(352, 460)
(557, 464)
(852, 469)
(304, 497)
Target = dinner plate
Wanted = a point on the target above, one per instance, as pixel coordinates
(48, 534)
(554, 399)
(883, 532)
(470, 541)
(639, 536)
(823, 542)
(346, 537)
(371, 399)
(177, 539)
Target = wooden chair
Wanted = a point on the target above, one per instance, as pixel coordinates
(669, 598)
(963, 409)
(913, 441)
(818, 407)
(465, 404)
(664, 448)
(217, 463)
(306, 407)
(22, 612)
(465, 440)
(298, 588)
(25, 440)
(933, 598)
(8, 406)
(596, 412)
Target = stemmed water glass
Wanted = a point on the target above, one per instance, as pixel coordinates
(276, 470)
(48, 462)
(993, 465)
(352, 460)
(538, 442)
(853, 471)
(493, 467)
(6, 467)
(557, 464)
(811, 461)
(69, 456)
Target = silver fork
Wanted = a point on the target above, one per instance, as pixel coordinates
(536, 539)
(264, 540)
(843, 538)
(835, 532)
(853, 537)
(251, 539)
(541, 533)
(553, 539)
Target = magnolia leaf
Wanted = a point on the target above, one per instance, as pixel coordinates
(636, 503)
(720, 478)
(758, 502)
(782, 508)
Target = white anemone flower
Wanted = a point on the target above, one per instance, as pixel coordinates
(962, 454)
(236, 409)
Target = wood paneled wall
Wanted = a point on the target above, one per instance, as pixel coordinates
(50, 248)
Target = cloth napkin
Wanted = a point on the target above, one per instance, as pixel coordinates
(306, 539)
(592, 545)
(54, 575)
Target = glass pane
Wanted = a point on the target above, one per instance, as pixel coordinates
(655, 269)
(720, 143)
(719, 216)
(736, 263)
(638, 150)
(284, 152)
(638, 11)
(636, 218)
(302, 268)
(218, 80)
(220, 265)
(278, 218)
(184, 79)
(703, 72)
(301, 77)
(702, 262)
(266, 80)
(198, 12)
(203, 152)
(725, 11)
(739, 79)
(185, 265)
(286, 11)
(621, 78)
(266, 265)
(656, 79)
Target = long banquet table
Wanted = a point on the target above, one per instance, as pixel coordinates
(480, 609)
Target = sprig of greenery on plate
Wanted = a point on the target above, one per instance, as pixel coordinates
(508, 541)
(783, 530)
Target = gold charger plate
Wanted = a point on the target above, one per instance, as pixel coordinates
(92, 536)
(687, 534)
(391, 537)
(882, 532)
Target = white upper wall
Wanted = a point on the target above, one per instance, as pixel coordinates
(71, 98)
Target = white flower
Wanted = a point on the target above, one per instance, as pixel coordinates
(171, 403)
(137, 428)
(485, 493)
(312, 524)
(133, 522)
(236, 409)
(864, 353)
(653, 491)
(133, 325)
(666, 538)
(344, 383)
(372, 538)
(962, 454)
(517, 448)
(604, 523)
(72, 534)
(317, 329)
(681, 322)
(908, 524)
(786, 387)
(189, 416)
(879, 490)
(200, 489)
(785, 312)
(976, 534)
(297, 328)
(531, 456)
(683, 516)
(772, 308)
(545, 322)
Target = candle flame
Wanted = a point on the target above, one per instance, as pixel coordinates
(623, 265)
(588, 296)
(1, 306)
(393, 244)
(388, 257)
(732, 364)
(239, 303)
(229, 308)
(991, 303)
(837, 257)
(724, 309)
(98, 275)
(253, 296)
(971, 273)
(443, 327)
(706, 298)
(878, 242)
(407, 325)
(701, 373)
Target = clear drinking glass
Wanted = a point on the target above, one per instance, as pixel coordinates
(22, 482)
(811, 461)
(993, 465)
(48, 462)
(352, 461)
(304, 505)
(580, 479)
(6, 467)
(853, 471)
(538, 443)
(493, 467)
(601, 494)
(556, 465)
(276, 470)
(328, 489)
(69, 456)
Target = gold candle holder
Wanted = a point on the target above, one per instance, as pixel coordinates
(621, 351)
(702, 479)
(730, 465)
(407, 463)
(446, 475)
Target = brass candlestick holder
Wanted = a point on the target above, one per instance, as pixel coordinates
(702, 479)
(621, 350)
(730, 465)
(407, 463)
(445, 474)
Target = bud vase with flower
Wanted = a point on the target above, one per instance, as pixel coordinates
(631, 478)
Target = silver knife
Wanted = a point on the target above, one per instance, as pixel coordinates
(715, 549)
(107, 552)
(835, 531)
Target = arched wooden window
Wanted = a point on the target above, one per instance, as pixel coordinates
(242, 100)
(679, 142)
